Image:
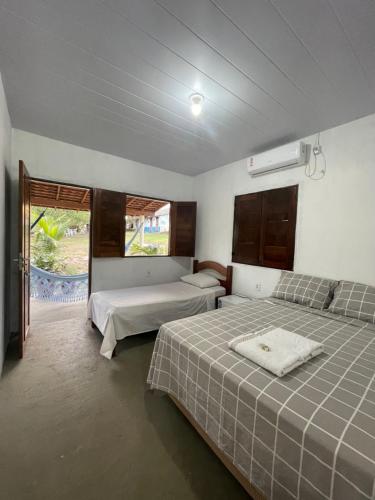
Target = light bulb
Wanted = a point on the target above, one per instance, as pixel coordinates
(196, 109)
(196, 104)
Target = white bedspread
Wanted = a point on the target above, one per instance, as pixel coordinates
(128, 311)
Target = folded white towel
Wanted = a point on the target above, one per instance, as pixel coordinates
(276, 349)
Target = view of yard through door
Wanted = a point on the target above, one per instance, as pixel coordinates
(59, 257)
(60, 246)
(60, 240)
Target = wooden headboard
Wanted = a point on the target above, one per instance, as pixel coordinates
(226, 273)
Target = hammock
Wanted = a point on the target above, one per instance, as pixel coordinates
(56, 288)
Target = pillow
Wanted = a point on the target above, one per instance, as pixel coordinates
(202, 280)
(305, 290)
(355, 301)
(212, 272)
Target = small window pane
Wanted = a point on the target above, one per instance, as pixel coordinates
(146, 227)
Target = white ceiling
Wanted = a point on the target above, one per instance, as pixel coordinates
(116, 75)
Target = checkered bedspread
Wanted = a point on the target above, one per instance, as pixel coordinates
(308, 435)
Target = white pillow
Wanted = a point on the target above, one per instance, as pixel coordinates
(212, 272)
(202, 280)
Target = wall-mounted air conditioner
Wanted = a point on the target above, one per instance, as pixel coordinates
(288, 156)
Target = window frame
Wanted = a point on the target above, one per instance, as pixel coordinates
(291, 229)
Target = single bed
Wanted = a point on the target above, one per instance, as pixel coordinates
(129, 311)
(308, 435)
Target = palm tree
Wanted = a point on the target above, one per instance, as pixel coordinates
(45, 245)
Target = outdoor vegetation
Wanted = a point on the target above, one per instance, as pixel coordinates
(60, 240)
(153, 244)
(147, 235)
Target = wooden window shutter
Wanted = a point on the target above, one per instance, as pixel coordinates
(108, 220)
(182, 235)
(279, 212)
(247, 228)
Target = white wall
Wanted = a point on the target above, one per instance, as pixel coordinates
(54, 160)
(336, 216)
(335, 227)
(5, 155)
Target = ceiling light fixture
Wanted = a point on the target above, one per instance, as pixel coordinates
(196, 101)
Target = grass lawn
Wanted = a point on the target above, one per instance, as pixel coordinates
(159, 239)
(74, 251)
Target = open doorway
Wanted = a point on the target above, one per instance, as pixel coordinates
(60, 222)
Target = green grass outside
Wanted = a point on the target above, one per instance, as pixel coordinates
(73, 254)
(159, 239)
(74, 250)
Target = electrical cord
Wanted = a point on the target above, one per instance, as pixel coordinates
(311, 171)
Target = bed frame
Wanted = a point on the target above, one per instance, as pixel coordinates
(252, 491)
(226, 273)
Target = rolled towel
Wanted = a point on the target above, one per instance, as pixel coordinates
(275, 349)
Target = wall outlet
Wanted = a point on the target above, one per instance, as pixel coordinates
(258, 287)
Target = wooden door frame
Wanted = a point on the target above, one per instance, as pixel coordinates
(49, 181)
(23, 258)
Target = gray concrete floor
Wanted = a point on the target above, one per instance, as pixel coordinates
(74, 425)
(49, 312)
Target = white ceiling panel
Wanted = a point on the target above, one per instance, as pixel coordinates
(319, 29)
(116, 75)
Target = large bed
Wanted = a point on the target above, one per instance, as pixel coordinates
(308, 435)
(121, 313)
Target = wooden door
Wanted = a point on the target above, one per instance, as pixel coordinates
(24, 255)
